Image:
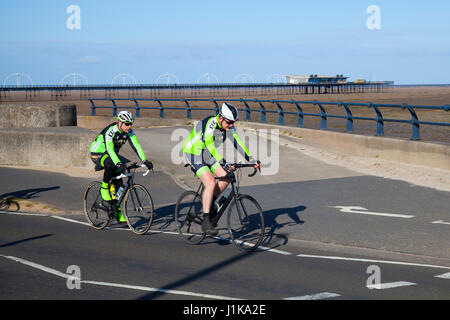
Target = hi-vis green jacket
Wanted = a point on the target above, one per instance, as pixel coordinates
(208, 134)
(111, 139)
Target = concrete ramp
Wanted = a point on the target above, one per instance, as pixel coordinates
(163, 146)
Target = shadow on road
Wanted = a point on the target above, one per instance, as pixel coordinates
(197, 275)
(273, 234)
(28, 193)
(25, 240)
(164, 217)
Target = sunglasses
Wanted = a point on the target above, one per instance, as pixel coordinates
(228, 121)
(128, 124)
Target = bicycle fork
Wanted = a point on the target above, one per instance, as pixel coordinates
(135, 200)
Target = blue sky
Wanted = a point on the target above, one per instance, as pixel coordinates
(225, 39)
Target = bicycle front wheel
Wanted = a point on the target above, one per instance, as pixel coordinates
(187, 217)
(138, 209)
(246, 223)
(96, 213)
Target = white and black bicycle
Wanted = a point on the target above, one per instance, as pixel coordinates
(133, 199)
(245, 219)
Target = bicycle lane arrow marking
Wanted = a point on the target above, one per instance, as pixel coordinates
(390, 285)
(361, 210)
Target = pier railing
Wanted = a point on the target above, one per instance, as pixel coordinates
(282, 109)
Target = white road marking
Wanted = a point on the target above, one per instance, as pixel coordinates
(361, 210)
(390, 285)
(274, 250)
(143, 288)
(440, 222)
(263, 248)
(37, 266)
(444, 276)
(317, 296)
(71, 220)
(373, 261)
(116, 285)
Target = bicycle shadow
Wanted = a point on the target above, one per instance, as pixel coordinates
(164, 219)
(27, 194)
(273, 234)
(273, 229)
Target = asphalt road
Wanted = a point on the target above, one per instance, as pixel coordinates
(37, 252)
(330, 234)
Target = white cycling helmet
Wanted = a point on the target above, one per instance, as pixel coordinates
(125, 116)
(229, 112)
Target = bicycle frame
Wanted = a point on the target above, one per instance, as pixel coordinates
(128, 185)
(232, 195)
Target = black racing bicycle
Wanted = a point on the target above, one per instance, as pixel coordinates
(245, 219)
(134, 200)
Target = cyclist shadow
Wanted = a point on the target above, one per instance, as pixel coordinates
(274, 235)
(163, 219)
(28, 193)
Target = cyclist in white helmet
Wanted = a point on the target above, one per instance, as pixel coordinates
(200, 150)
(104, 153)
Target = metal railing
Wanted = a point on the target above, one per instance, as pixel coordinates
(60, 92)
(263, 111)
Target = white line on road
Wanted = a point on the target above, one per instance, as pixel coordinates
(71, 220)
(373, 261)
(317, 296)
(37, 266)
(263, 248)
(143, 288)
(25, 213)
(390, 285)
(440, 222)
(116, 285)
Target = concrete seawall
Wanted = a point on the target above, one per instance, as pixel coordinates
(43, 135)
(99, 122)
(57, 148)
(404, 151)
(37, 116)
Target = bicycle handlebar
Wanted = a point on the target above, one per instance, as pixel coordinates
(236, 165)
(132, 166)
(248, 165)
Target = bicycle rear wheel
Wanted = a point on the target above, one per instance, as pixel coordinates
(138, 209)
(246, 223)
(96, 213)
(187, 217)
